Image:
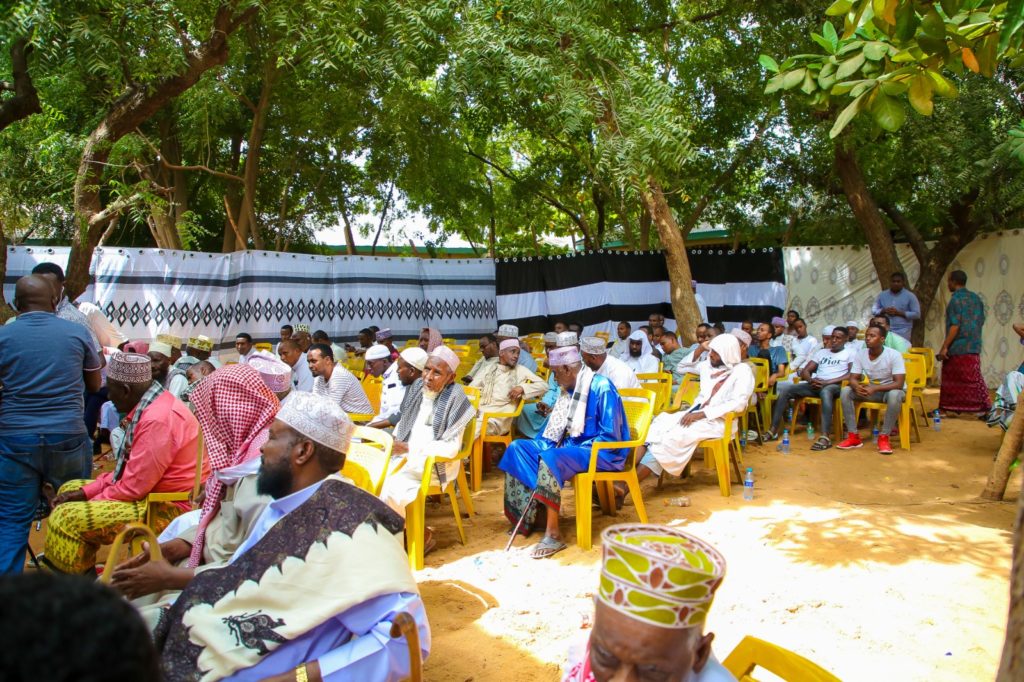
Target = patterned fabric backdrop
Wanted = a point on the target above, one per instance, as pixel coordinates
(833, 284)
(148, 291)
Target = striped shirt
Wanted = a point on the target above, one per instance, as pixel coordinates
(344, 389)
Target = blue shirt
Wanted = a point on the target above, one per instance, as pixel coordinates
(906, 302)
(967, 312)
(42, 358)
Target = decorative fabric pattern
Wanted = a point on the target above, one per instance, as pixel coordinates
(659, 575)
(130, 368)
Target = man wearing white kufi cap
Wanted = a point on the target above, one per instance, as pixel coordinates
(726, 384)
(319, 577)
(169, 376)
(596, 357)
(157, 454)
(510, 331)
(400, 375)
(534, 414)
(503, 384)
(434, 414)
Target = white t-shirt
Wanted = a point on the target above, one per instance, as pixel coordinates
(831, 365)
(882, 369)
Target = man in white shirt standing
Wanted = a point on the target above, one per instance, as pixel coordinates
(821, 377)
(886, 375)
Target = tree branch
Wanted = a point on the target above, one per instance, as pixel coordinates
(25, 101)
(173, 166)
(910, 230)
(112, 210)
(667, 25)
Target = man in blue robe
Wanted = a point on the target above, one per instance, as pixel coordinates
(588, 410)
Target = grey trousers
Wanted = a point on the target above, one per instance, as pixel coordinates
(804, 389)
(893, 403)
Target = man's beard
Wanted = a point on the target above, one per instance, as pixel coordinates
(430, 394)
(634, 355)
(274, 480)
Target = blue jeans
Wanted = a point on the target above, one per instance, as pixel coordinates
(27, 461)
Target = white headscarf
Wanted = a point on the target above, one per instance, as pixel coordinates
(645, 343)
(728, 348)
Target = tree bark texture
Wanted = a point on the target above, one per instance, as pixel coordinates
(684, 305)
(5, 310)
(136, 106)
(1009, 450)
(25, 101)
(1011, 668)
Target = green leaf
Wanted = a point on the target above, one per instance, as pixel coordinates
(851, 46)
(875, 50)
(810, 84)
(774, 84)
(823, 41)
(894, 88)
(827, 77)
(943, 88)
(907, 22)
(921, 95)
(950, 7)
(846, 115)
(850, 66)
(793, 78)
(829, 31)
(839, 8)
(888, 112)
(933, 25)
(767, 62)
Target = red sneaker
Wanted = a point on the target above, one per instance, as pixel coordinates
(852, 441)
(883, 445)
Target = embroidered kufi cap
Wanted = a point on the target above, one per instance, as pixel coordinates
(318, 418)
(593, 345)
(508, 330)
(377, 352)
(827, 331)
(743, 337)
(551, 337)
(853, 323)
(299, 328)
(508, 343)
(160, 347)
(170, 339)
(201, 343)
(415, 356)
(276, 373)
(778, 322)
(566, 355)
(384, 334)
(130, 368)
(567, 339)
(659, 575)
(448, 355)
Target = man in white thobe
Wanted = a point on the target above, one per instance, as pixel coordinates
(398, 377)
(596, 356)
(702, 307)
(641, 355)
(503, 384)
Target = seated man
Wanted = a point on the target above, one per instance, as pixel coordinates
(779, 336)
(488, 356)
(821, 377)
(620, 349)
(429, 339)
(826, 335)
(503, 384)
(196, 372)
(235, 409)
(775, 355)
(696, 354)
(726, 383)
(804, 345)
(311, 591)
(854, 344)
(376, 361)
(274, 372)
(402, 373)
(435, 413)
(672, 354)
(641, 358)
(199, 348)
(534, 414)
(169, 376)
(158, 454)
(244, 346)
(886, 374)
(336, 382)
(588, 410)
(510, 331)
(596, 357)
(894, 341)
(631, 640)
(320, 336)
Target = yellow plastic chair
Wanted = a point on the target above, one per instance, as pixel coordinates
(415, 511)
(661, 384)
(373, 387)
(687, 392)
(543, 371)
(448, 342)
(837, 415)
(603, 335)
(477, 460)
(752, 653)
(180, 496)
(762, 370)
(410, 343)
(639, 406)
(366, 462)
(268, 347)
(915, 365)
(929, 373)
(136, 533)
(720, 452)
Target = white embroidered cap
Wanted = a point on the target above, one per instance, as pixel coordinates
(415, 356)
(593, 345)
(318, 418)
(508, 330)
(567, 339)
(377, 352)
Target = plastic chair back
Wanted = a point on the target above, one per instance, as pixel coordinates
(373, 387)
(917, 375)
(752, 652)
(762, 369)
(638, 404)
(269, 347)
(661, 384)
(602, 335)
(366, 462)
(929, 359)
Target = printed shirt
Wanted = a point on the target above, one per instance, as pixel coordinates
(966, 311)
(831, 365)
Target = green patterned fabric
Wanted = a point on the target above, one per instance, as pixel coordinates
(659, 575)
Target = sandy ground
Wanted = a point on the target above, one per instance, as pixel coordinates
(876, 568)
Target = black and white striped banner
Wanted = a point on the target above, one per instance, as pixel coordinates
(600, 289)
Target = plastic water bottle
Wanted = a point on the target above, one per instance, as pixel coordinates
(936, 421)
(748, 485)
(874, 433)
(810, 431)
(789, 415)
(784, 445)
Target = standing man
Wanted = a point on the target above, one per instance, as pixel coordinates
(963, 388)
(899, 304)
(46, 366)
(302, 378)
(243, 344)
(336, 382)
(701, 305)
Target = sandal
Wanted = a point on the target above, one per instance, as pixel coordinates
(547, 547)
(822, 443)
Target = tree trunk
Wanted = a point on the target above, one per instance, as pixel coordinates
(645, 230)
(5, 310)
(1010, 449)
(231, 198)
(246, 213)
(383, 217)
(866, 212)
(684, 305)
(492, 234)
(136, 106)
(1011, 668)
(350, 240)
(25, 101)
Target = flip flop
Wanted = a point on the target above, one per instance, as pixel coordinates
(821, 444)
(546, 548)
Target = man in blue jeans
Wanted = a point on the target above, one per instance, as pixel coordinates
(46, 366)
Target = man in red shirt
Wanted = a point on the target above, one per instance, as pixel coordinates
(158, 454)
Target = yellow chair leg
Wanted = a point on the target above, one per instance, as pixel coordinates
(477, 473)
(453, 498)
(634, 492)
(584, 496)
(722, 465)
(415, 528)
(905, 416)
(464, 491)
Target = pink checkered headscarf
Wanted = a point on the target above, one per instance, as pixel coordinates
(235, 409)
(435, 338)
